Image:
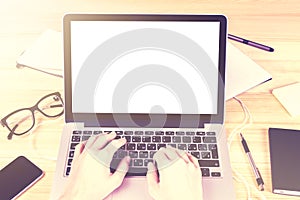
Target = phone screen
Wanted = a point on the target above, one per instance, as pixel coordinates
(18, 176)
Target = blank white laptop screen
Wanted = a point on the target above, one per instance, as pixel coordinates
(138, 75)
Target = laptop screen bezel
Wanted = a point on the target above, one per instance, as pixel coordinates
(143, 120)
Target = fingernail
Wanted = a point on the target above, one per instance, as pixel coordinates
(123, 140)
(128, 159)
(111, 135)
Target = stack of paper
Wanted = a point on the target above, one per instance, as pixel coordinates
(45, 54)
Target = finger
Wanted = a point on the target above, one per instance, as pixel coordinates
(100, 141)
(193, 160)
(79, 148)
(91, 141)
(118, 176)
(171, 153)
(183, 155)
(152, 180)
(114, 145)
(108, 151)
(161, 159)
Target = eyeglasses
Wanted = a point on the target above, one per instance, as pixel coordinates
(22, 120)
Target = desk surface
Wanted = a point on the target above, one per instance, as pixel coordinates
(272, 22)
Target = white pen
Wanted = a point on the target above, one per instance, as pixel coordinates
(256, 172)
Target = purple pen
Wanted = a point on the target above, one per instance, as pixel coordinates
(250, 43)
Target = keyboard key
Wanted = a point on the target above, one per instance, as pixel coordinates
(138, 162)
(214, 151)
(149, 132)
(77, 132)
(119, 132)
(71, 154)
(209, 163)
(166, 139)
(97, 132)
(196, 139)
(138, 133)
(216, 174)
(196, 154)
(151, 146)
(136, 139)
(143, 154)
(73, 145)
(200, 133)
(130, 146)
(169, 132)
(159, 133)
(128, 132)
(190, 133)
(209, 139)
(87, 133)
(133, 154)
(76, 138)
(146, 139)
(202, 147)
(176, 139)
(173, 145)
(205, 155)
(181, 146)
(210, 133)
(180, 133)
(141, 146)
(68, 170)
(186, 139)
(192, 147)
(156, 139)
(205, 172)
(70, 162)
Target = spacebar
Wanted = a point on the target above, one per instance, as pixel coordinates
(209, 163)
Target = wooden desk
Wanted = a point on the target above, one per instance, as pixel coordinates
(272, 22)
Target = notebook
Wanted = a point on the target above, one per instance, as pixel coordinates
(154, 80)
(285, 161)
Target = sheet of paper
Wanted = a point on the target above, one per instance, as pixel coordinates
(289, 97)
(242, 73)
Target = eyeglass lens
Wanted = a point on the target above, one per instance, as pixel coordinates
(21, 121)
(51, 106)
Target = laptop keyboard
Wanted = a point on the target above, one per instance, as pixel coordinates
(142, 145)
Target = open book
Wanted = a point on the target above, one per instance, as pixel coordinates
(46, 55)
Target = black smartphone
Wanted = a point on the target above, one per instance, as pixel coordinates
(17, 177)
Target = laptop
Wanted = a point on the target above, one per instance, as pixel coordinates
(155, 80)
